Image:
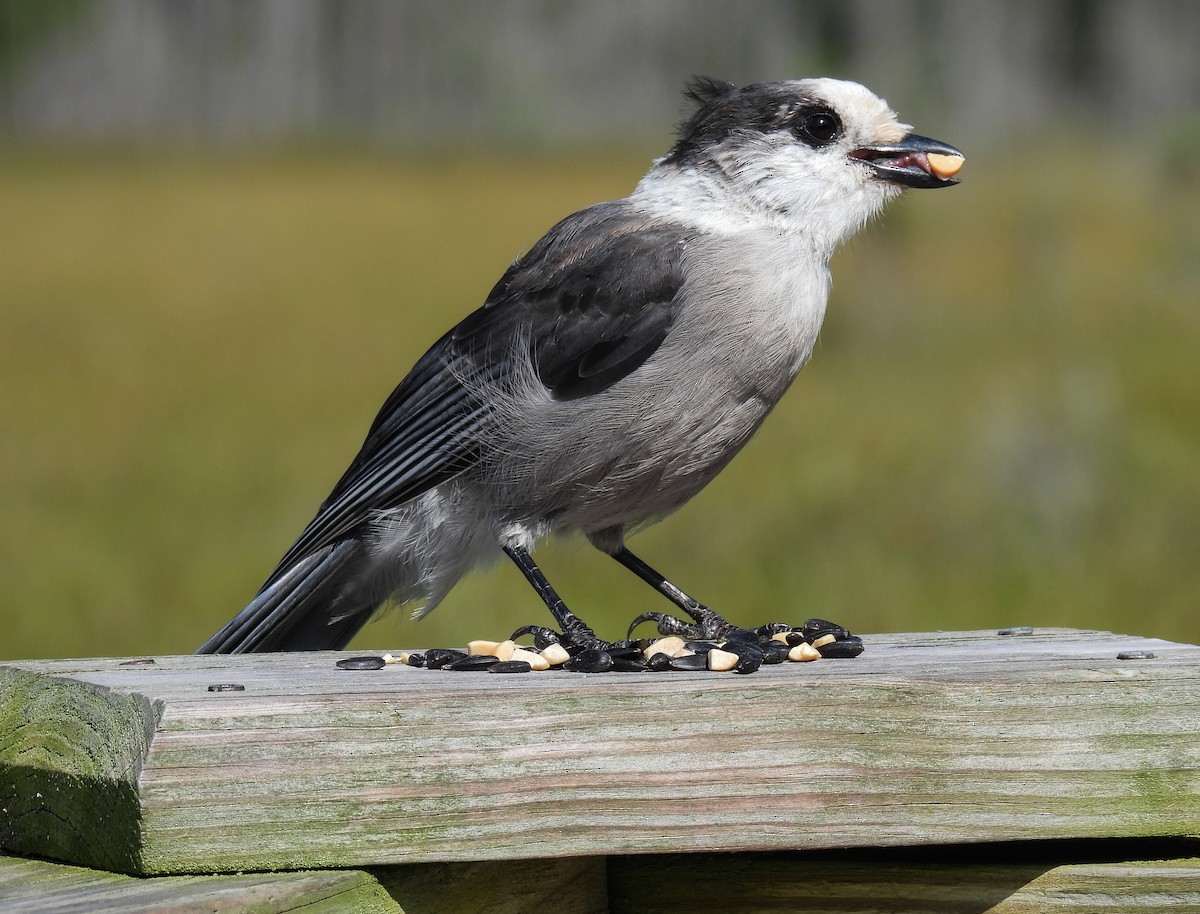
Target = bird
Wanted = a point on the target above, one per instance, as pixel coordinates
(613, 371)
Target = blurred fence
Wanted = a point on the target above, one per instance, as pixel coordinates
(413, 72)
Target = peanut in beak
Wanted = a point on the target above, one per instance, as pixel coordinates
(944, 166)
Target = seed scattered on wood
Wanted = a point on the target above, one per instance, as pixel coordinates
(509, 666)
(659, 662)
(590, 661)
(626, 652)
(630, 665)
(362, 663)
(689, 662)
(802, 653)
(742, 634)
(748, 663)
(842, 648)
(226, 687)
(772, 643)
(535, 660)
(720, 661)
(670, 646)
(774, 651)
(743, 648)
(812, 629)
(555, 654)
(439, 657)
(473, 663)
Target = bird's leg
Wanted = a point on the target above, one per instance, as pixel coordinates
(575, 632)
(707, 624)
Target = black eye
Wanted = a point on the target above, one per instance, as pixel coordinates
(820, 127)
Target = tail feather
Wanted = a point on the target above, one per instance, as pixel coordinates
(293, 613)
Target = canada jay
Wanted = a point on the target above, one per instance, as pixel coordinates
(612, 372)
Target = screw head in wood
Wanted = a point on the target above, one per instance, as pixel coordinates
(1135, 655)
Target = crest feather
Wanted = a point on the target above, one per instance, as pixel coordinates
(704, 89)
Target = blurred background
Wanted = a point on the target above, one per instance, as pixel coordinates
(229, 227)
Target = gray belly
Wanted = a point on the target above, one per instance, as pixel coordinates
(637, 451)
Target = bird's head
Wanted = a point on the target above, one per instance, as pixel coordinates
(823, 154)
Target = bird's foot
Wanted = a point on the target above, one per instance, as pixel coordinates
(706, 625)
(587, 652)
(573, 640)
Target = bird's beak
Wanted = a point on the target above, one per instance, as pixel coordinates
(916, 161)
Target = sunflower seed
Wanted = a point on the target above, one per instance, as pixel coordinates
(555, 654)
(362, 663)
(842, 647)
(720, 661)
(689, 662)
(536, 661)
(509, 666)
(474, 663)
(670, 646)
(590, 661)
(440, 657)
(803, 653)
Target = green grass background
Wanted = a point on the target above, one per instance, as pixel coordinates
(1000, 425)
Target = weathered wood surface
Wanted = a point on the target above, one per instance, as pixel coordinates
(934, 738)
(37, 887)
(761, 883)
(569, 886)
(686, 884)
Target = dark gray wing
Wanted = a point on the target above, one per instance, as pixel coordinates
(589, 303)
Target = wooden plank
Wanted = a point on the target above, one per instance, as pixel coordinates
(37, 887)
(754, 883)
(923, 739)
(571, 885)
(70, 755)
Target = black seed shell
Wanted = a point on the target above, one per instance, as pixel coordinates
(629, 665)
(362, 663)
(439, 657)
(590, 661)
(510, 666)
(659, 662)
(851, 646)
(774, 652)
(819, 628)
(473, 663)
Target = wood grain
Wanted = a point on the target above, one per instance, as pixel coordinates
(37, 887)
(938, 738)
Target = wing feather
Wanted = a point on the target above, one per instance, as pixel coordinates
(588, 305)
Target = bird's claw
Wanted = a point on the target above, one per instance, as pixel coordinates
(573, 640)
(707, 625)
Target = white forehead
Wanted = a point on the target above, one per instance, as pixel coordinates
(864, 114)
